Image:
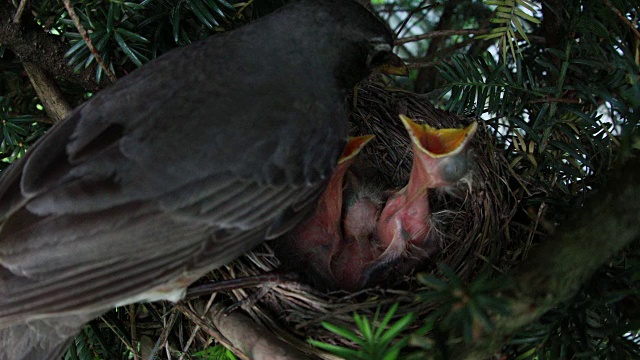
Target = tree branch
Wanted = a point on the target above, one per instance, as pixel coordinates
(210, 330)
(237, 332)
(441, 33)
(48, 91)
(87, 40)
(427, 77)
(555, 271)
(18, 16)
(253, 339)
(32, 44)
(623, 18)
(552, 27)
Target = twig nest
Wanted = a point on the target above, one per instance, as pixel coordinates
(473, 219)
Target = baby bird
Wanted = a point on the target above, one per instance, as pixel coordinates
(362, 234)
(440, 158)
(311, 246)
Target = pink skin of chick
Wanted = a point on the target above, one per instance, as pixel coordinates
(439, 159)
(317, 239)
(359, 247)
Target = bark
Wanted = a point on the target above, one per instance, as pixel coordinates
(242, 335)
(552, 28)
(48, 91)
(254, 340)
(31, 44)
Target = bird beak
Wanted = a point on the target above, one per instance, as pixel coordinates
(330, 204)
(353, 147)
(394, 66)
(438, 143)
(440, 158)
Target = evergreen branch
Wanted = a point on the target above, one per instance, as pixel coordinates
(509, 16)
(87, 40)
(376, 338)
(217, 352)
(421, 64)
(447, 33)
(558, 100)
(445, 53)
(623, 18)
(414, 11)
(441, 33)
(17, 132)
(478, 82)
(556, 270)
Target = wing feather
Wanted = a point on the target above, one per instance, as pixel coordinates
(132, 195)
(62, 263)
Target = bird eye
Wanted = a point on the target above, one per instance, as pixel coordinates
(454, 168)
(379, 54)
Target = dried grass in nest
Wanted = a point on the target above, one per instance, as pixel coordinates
(475, 218)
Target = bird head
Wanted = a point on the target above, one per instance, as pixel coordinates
(440, 154)
(364, 43)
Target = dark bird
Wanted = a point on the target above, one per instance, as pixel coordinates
(177, 169)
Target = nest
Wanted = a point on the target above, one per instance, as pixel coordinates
(475, 219)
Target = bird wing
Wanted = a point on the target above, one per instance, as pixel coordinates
(126, 196)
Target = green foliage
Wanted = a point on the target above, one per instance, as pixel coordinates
(549, 137)
(217, 352)
(463, 310)
(560, 113)
(564, 115)
(376, 339)
(18, 132)
(19, 109)
(510, 16)
(128, 34)
(423, 346)
(86, 346)
(108, 29)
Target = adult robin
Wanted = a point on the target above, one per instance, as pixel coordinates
(178, 168)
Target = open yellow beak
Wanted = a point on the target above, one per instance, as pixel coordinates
(439, 143)
(353, 147)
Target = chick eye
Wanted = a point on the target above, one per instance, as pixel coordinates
(454, 168)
